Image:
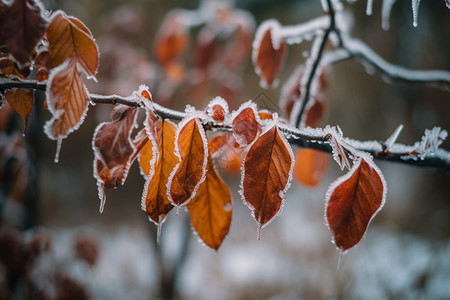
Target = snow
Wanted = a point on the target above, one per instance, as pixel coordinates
(431, 141)
(295, 34)
(386, 9)
(391, 140)
(415, 9)
(369, 7)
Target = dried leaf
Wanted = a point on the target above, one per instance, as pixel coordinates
(315, 112)
(205, 49)
(22, 25)
(245, 126)
(114, 150)
(154, 198)
(217, 143)
(10, 70)
(211, 209)
(69, 41)
(21, 100)
(352, 202)
(266, 175)
(310, 166)
(67, 99)
(268, 54)
(192, 151)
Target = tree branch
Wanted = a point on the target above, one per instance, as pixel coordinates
(307, 138)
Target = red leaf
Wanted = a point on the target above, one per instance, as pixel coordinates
(22, 26)
(268, 54)
(211, 209)
(114, 150)
(267, 172)
(245, 126)
(191, 148)
(217, 109)
(352, 202)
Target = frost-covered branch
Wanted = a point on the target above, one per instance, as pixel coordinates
(425, 153)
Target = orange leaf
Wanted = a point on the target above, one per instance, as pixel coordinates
(245, 126)
(69, 41)
(352, 202)
(67, 100)
(267, 172)
(172, 40)
(191, 149)
(211, 209)
(216, 144)
(310, 166)
(22, 25)
(21, 101)
(268, 55)
(154, 197)
(114, 150)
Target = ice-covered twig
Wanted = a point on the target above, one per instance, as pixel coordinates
(359, 49)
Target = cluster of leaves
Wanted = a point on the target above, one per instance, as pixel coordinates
(177, 160)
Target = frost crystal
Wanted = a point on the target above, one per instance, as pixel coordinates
(415, 9)
(430, 142)
(369, 7)
(386, 13)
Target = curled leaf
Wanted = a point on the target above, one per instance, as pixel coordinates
(266, 174)
(114, 150)
(245, 125)
(352, 202)
(217, 109)
(268, 53)
(192, 151)
(67, 100)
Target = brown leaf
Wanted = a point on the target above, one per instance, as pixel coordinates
(205, 49)
(154, 198)
(211, 209)
(315, 112)
(21, 100)
(10, 70)
(67, 99)
(266, 176)
(217, 143)
(114, 150)
(245, 126)
(191, 149)
(352, 202)
(268, 59)
(310, 166)
(22, 25)
(69, 41)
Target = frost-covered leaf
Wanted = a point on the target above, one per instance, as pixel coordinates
(352, 202)
(157, 163)
(268, 53)
(10, 70)
(245, 124)
(205, 49)
(22, 24)
(67, 100)
(69, 38)
(211, 208)
(113, 149)
(21, 100)
(266, 174)
(191, 147)
(217, 109)
(314, 113)
(338, 152)
(310, 166)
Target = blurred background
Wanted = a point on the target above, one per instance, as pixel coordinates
(74, 252)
